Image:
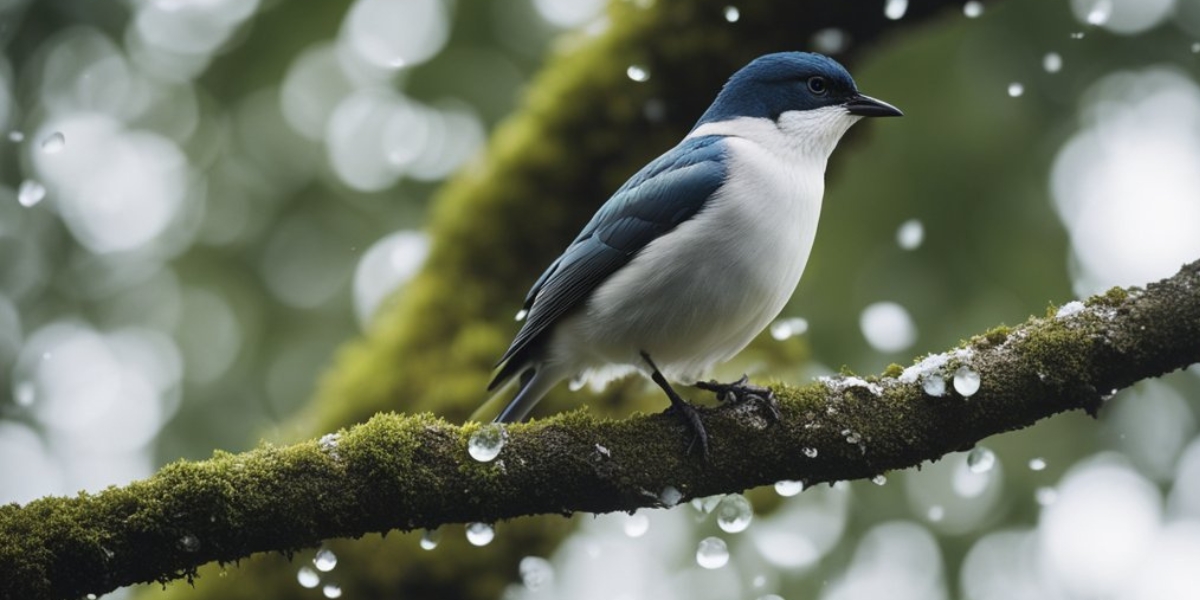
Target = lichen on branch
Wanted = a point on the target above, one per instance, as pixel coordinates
(408, 472)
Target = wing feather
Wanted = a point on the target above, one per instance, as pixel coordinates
(665, 193)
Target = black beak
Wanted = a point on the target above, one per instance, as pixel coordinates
(866, 106)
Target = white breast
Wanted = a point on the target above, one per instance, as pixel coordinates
(699, 294)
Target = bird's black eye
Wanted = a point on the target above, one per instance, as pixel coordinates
(817, 86)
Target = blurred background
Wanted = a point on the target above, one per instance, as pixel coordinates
(202, 199)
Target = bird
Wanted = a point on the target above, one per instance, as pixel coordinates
(697, 252)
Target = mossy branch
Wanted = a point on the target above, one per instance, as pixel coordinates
(407, 472)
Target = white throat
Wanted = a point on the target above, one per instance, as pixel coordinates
(805, 135)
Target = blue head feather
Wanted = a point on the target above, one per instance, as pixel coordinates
(776, 83)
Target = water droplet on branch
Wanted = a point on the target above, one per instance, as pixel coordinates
(981, 460)
(712, 553)
(788, 488)
(308, 578)
(430, 539)
(480, 534)
(966, 381)
(325, 560)
(485, 444)
(734, 513)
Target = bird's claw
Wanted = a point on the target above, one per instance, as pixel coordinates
(691, 419)
(743, 391)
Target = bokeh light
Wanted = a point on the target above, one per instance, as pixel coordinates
(1126, 185)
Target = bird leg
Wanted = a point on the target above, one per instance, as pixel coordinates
(743, 391)
(691, 416)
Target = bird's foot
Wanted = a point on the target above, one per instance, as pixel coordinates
(743, 391)
(681, 407)
(691, 419)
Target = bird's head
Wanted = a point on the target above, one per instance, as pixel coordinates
(802, 92)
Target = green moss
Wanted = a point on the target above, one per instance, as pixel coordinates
(1114, 297)
(992, 337)
(893, 370)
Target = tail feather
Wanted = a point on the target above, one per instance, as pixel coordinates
(534, 383)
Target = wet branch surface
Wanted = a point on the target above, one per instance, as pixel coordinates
(407, 472)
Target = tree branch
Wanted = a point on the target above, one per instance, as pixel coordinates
(407, 472)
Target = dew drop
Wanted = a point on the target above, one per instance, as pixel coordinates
(910, 234)
(669, 496)
(30, 193)
(521, 314)
(480, 534)
(536, 572)
(54, 143)
(325, 560)
(1015, 89)
(810, 452)
(1052, 62)
(879, 479)
(936, 513)
(308, 578)
(1069, 309)
(786, 328)
(189, 543)
(966, 381)
(332, 590)
(712, 553)
(732, 14)
(636, 525)
(329, 443)
(1045, 496)
(16, 136)
(973, 9)
(934, 385)
(706, 504)
(895, 9)
(981, 460)
(788, 487)
(1037, 464)
(430, 539)
(734, 513)
(637, 73)
(487, 441)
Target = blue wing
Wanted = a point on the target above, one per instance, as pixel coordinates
(665, 193)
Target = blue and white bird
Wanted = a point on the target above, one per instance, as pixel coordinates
(701, 249)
